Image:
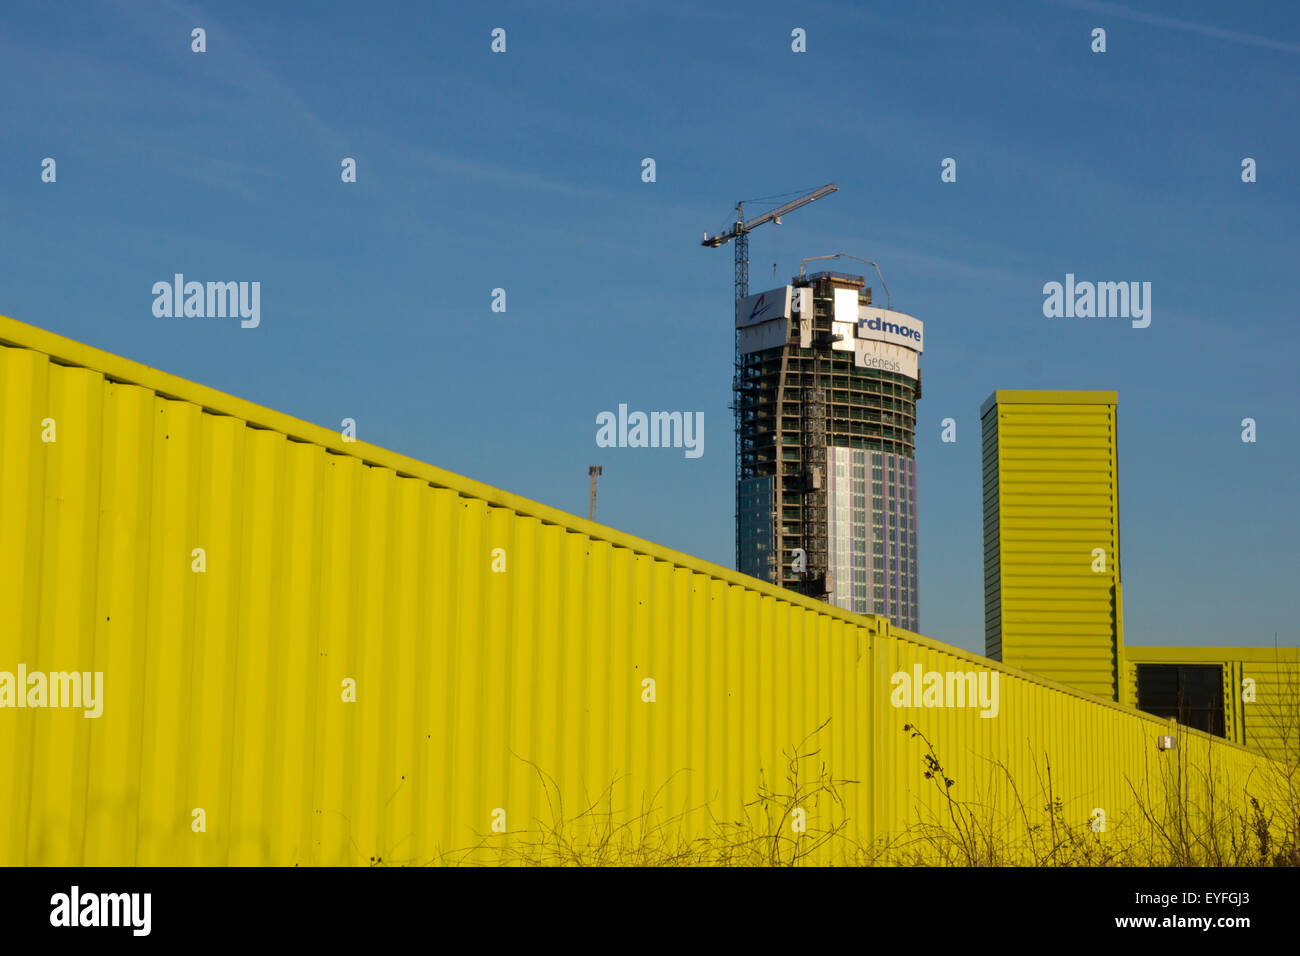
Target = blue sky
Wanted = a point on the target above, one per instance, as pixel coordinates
(523, 171)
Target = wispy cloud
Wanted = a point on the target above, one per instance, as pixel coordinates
(242, 67)
(1188, 26)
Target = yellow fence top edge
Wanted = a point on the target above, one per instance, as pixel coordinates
(899, 633)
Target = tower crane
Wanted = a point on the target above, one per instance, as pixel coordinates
(739, 232)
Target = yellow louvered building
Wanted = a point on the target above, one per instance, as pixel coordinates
(1053, 591)
(1051, 535)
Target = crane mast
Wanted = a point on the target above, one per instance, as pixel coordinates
(739, 232)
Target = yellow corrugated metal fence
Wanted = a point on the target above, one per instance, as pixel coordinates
(320, 652)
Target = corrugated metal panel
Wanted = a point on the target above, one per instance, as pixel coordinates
(516, 687)
(1048, 743)
(1271, 721)
(1051, 478)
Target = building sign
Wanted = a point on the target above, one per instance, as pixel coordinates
(765, 335)
(882, 325)
(764, 307)
(885, 357)
(845, 332)
(801, 303)
(845, 305)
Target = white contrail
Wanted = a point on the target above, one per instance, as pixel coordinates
(1234, 36)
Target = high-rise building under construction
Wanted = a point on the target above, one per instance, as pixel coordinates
(826, 453)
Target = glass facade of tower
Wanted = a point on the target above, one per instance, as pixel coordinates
(871, 502)
(757, 549)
